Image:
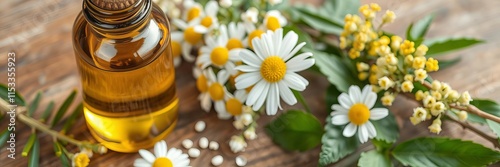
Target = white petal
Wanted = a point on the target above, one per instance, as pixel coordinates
(345, 101)
(186, 52)
(220, 107)
(211, 76)
(259, 47)
(211, 8)
(247, 79)
(260, 101)
(246, 68)
(222, 39)
(179, 23)
(230, 68)
(339, 108)
(372, 132)
(148, 156)
(363, 133)
(277, 40)
(294, 51)
(349, 130)
(300, 63)
(289, 41)
(158, 149)
(206, 103)
(378, 113)
(255, 93)
(250, 58)
(302, 79)
(142, 163)
(294, 82)
(177, 36)
(200, 29)
(177, 61)
(286, 94)
(370, 100)
(355, 94)
(234, 55)
(272, 101)
(340, 119)
(222, 77)
(241, 95)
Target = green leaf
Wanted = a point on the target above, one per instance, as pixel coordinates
(319, 22)
(420, 28)
(443, 45)
(332, 94)
(335, 70)
(3, 137)
(340, 8)
(64, 107)
(295, 130)
(64, 158)
(303, 37)
(335, 145)
(387, 129)
(488, 106)
(448, 63)
(72, 118)
(16, 97)
(34, 104)
(48, 111)
(34, 155)
(29, 144)
(374, 158)
(382, 146)
(494, 126)
(429, 152)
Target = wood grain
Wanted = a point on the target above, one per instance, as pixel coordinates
(39, 32)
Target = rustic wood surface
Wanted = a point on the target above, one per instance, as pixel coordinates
(39, 32)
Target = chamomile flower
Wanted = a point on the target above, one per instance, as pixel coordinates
(162, 157)
(202, 85)
(234, 104)
(274, 20)
(217, 54)
(209, 17)
(192, 10)
(236, 36)
(192, 36)
(356, 111)
(272, 70)
(217, 90)
(250, 16)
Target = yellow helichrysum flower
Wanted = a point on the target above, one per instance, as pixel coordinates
(428, 101)
(343, 42)
(350, 27)
(80, 160)
(388, 17)
(387, 99)
(431, 65)
(367, 12)
(360, 66)
(436, 95)
(396, 42)
(415, 120)
(373, 79)
(420, 75)
(384, 40)
(453, 95)
(420, 95)
(408, 77)
(420, 113)
(421, 50)
(353, 53)
(408, 59)
(437, 108)
(419, 62)
(436, 85)
(436, 126)
(358, 45)
(384, 50)
(375, 7)
(373, 48)
(391, 59)
(462, 115)
(407, 47)
(407, 86)
(361, 37)
(385, 83)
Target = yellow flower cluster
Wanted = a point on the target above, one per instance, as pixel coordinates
(394, 65)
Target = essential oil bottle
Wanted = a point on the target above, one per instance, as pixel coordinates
(124, 57)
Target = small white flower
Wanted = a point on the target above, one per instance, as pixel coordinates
(462, 115)
(250, 133)
(225, 3)
(209, 18)
(251, 15)
(234, 104)
(354, 110)
(217, 54)
(238, 124)
(272, 70)
(237, 144)
(274, 20)
(217, 90)
(162, 157)
(192, 36)
(385, 83)
(465, 98)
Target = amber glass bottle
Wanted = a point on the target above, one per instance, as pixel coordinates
(124, 58)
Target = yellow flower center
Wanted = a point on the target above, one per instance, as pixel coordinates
(207, 21)
(81, 160)
(233, 106)
(176, 49)
(219, 56)
(253, 34)
(201, 83)
(234, 43)
(192, 36)
(162, 162)
(193, 13)
(359, 114)
(273, 23)
(216, 91)
(273, 69)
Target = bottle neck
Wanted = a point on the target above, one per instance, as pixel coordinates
(117, 23)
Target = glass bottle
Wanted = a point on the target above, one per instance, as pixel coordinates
(124, 57)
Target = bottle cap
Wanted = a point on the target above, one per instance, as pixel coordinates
(113, 4)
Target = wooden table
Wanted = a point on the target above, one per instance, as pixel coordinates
(39, 32)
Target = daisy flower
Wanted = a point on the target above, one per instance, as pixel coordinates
(209, 17)
(217, 90)
(162, 157)
(192, 36)
(236, 36)
(217, 54)
(234, 104)
(356, 109)
(192, 10)
(274, 20)
(202, 86)
(271, 70)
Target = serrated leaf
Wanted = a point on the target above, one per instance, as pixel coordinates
(387, 128)
(335, 145)
(3, 137)
(303, 37)
(72, 118)
(34, 154)
(319, 22)
(48, 111)
(448, 63)
(335, 70)
(440, 46)
(4, 94)
(64, 107)
(29, 144)
(374, 158)
(34, 104)
(295, 130)
(442, 152)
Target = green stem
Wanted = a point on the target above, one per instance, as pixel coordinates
(299, 96)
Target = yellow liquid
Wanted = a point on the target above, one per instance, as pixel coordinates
(128, 85)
